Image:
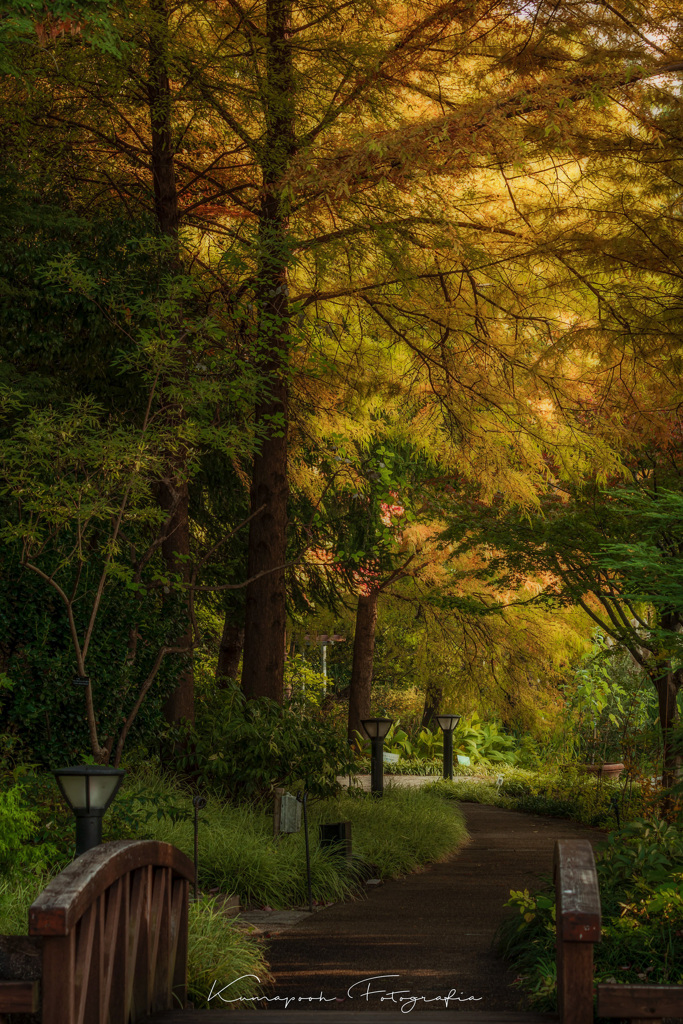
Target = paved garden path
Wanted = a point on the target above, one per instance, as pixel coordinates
(432, 931)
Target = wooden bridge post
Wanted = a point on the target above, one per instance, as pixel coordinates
(578, 925)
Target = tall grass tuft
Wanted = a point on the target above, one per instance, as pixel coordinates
(17, 893)
(238, 854)
(220, 958)
(406, 828)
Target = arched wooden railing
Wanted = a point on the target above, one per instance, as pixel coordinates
(579, 926)
(114, 934)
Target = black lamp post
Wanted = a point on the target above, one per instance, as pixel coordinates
(448, 725)
(376, 729)
(88, 790)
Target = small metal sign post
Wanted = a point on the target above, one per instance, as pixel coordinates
(308, 852)
(287, 818)
(198, 803)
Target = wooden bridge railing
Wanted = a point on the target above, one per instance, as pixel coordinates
(578, 923)
(113, 926)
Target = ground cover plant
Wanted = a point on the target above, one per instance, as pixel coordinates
(641, 891)
(420, 749)
(565, 792)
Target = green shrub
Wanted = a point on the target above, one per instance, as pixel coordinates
(243, 749)
(611, 712)
(19, 823)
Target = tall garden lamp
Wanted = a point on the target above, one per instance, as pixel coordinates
(376, 729)
(89, 789)
(449, 724)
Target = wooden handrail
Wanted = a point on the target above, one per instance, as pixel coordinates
(114, 931)
(578, 923)
(66, 898)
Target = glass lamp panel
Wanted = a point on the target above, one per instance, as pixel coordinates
(102, 789)
(383, 726)
(370, 726)
(74, 788)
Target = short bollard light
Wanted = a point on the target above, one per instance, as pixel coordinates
(376, 729)
(88, 790)
(448, 725)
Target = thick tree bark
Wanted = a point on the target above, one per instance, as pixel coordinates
(433, 698)
(265, 617)
(360, 688)
(172, 492)
(265, 611)
(230, 649)
(173, 498)
(667, 687)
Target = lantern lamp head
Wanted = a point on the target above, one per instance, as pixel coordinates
(448, 722)
(377, 728)
(89, 789)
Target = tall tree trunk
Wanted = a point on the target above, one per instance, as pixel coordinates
(360, 687)
(667, 682)
(230, 649)
(265, 617)
(667, 686)
(433, 698)
(173, 498)
(172, 491)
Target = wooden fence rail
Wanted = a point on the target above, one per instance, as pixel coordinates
(578, 923)
(113, 929)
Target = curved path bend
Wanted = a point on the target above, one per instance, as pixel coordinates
(433, 929)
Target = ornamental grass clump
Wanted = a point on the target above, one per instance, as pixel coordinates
(17, 893)
(238, 853)
(220, 958)
(404, 829)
